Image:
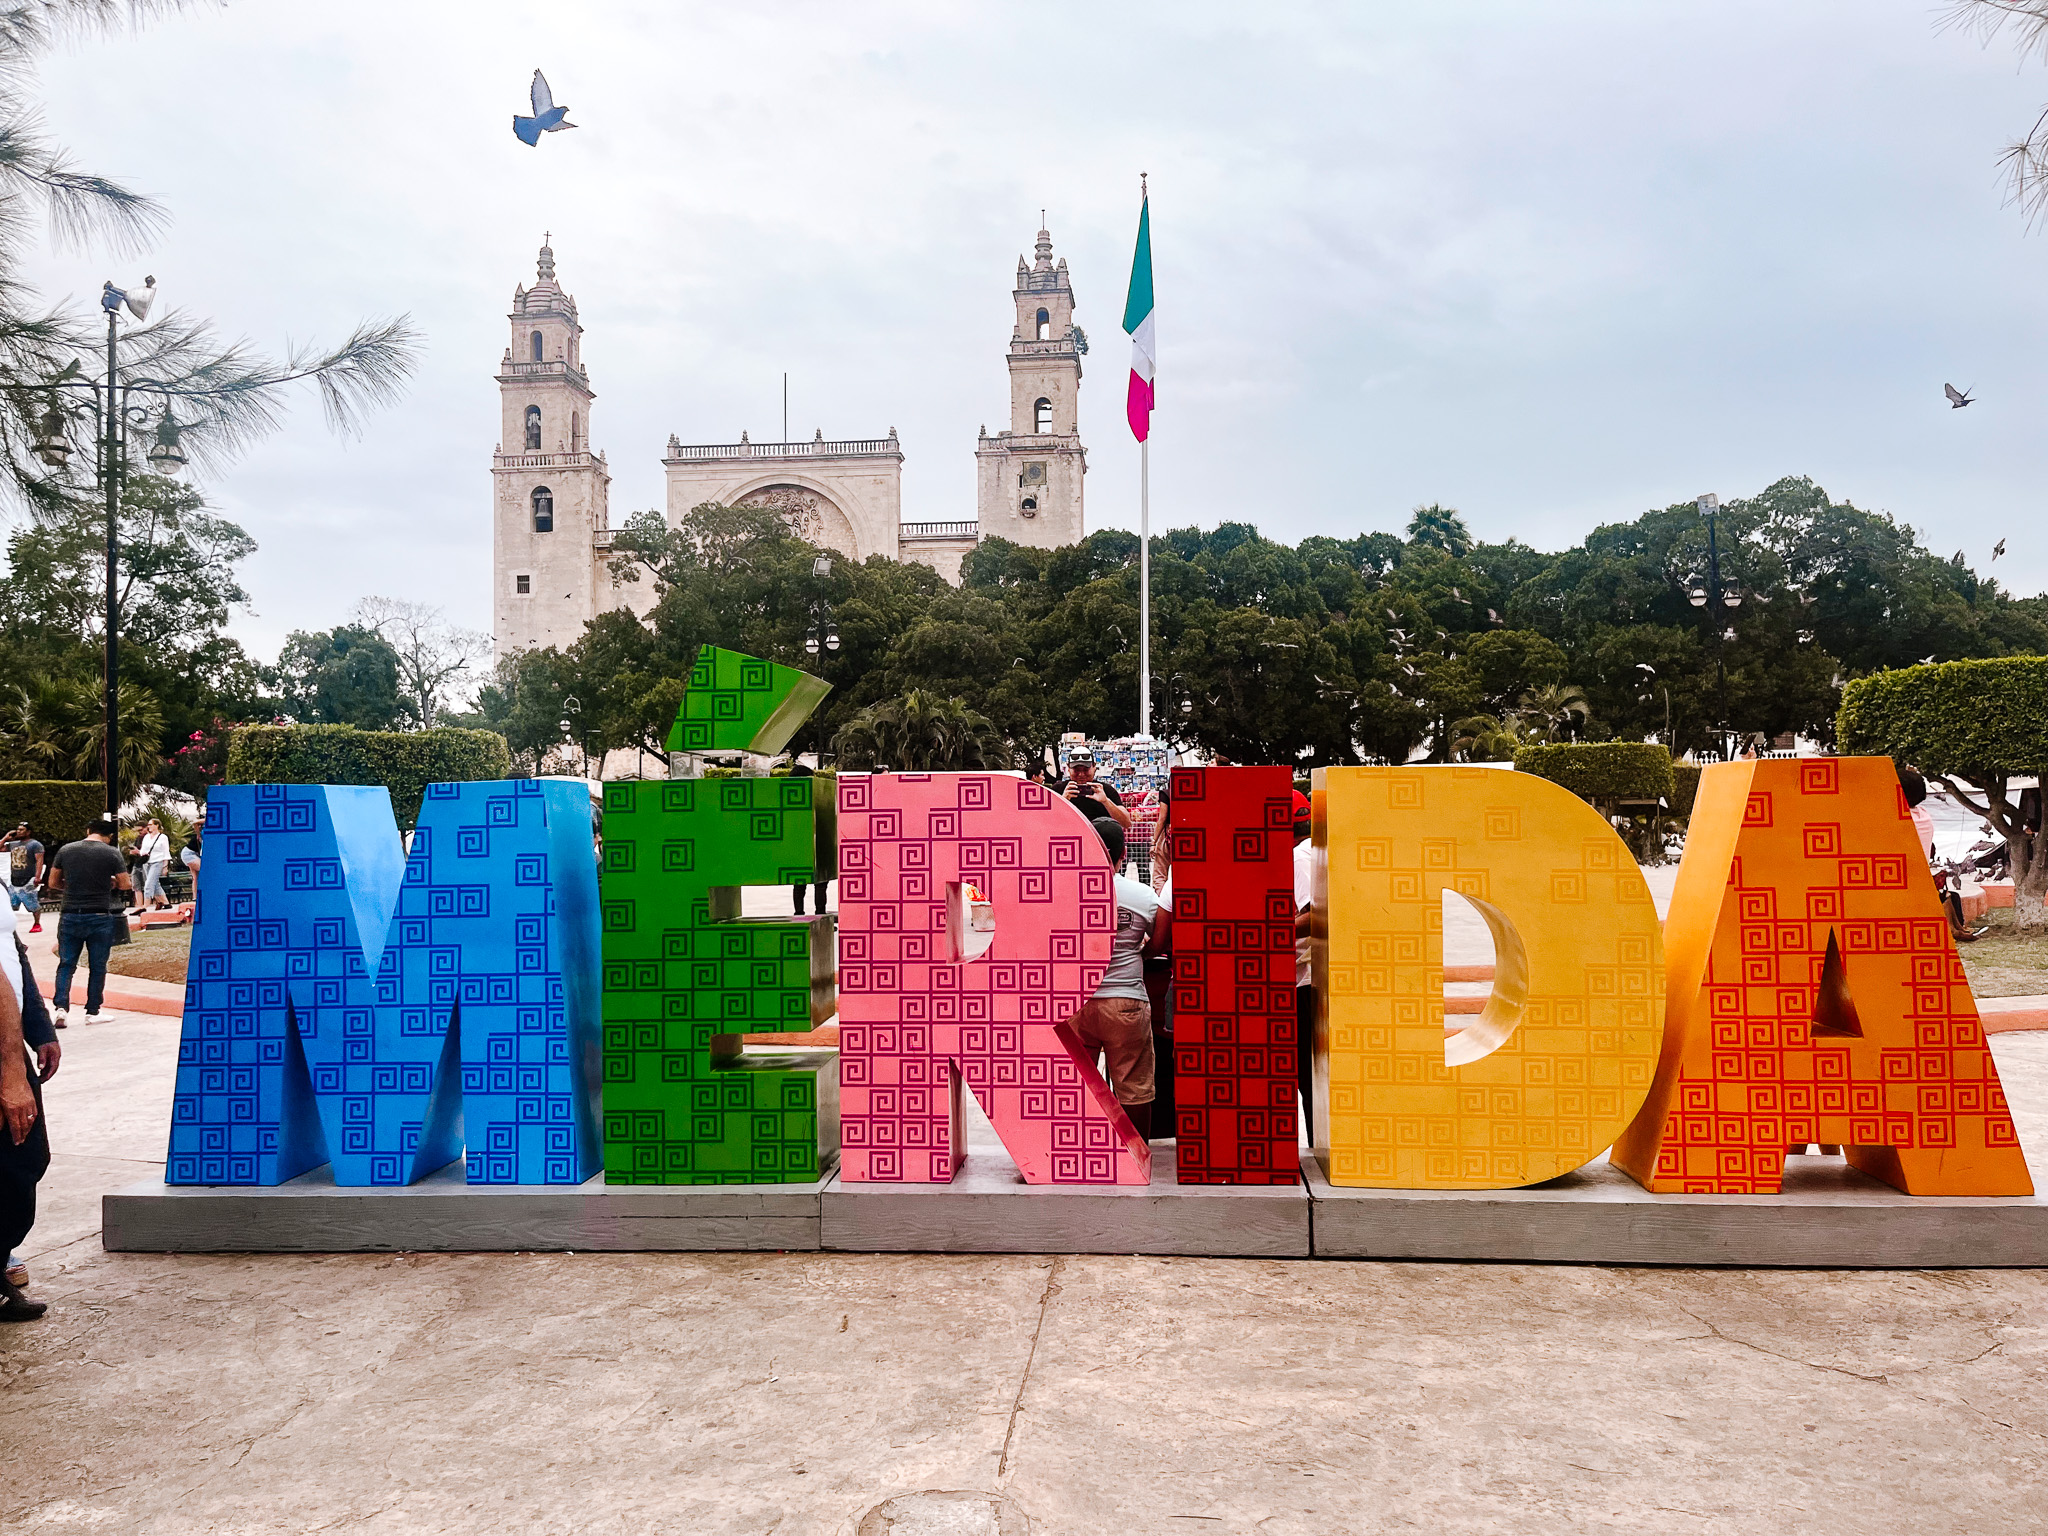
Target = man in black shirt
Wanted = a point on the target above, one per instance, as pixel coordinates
(88, 874)
(1090, 798)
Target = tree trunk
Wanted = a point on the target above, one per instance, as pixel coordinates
(2030, 885)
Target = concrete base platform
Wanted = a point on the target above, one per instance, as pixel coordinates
(1829, 1216)
(441, 1213)
(988, 1208)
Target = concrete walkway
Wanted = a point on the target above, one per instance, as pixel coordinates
(794, 1393)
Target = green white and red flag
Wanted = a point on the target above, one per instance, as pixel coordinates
(1138, 322)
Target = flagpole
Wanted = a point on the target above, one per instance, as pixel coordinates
(1145, 587)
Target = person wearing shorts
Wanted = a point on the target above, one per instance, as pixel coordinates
(24, 873)
(1116, 1022)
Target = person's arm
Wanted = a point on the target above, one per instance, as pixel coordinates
(1161, 942)
(1117, 813)
(17, 1099)
(36, 1028)
(56, 878)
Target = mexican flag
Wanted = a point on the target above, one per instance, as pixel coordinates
(1138, 322)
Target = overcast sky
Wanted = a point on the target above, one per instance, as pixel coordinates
(1550, 264)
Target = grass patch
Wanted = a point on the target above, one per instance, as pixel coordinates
(153, 954)
(2004, 963)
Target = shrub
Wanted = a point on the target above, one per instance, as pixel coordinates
(1603, 771)
(56, 810)
(1685, 781)
(1979, 721)
(404, 762)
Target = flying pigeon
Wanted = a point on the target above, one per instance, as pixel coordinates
(1956, 558)
(1926, 661)
(1998, 549)
(547, 117)
(1492, 617)
(1956, 401)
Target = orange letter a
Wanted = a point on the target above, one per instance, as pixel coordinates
(1815, 996)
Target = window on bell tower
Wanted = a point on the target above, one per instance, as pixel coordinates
(1044, 326)
(532, 428)
(536, 346)
(543, 510)
(1043, 412)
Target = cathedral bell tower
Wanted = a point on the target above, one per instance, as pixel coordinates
(550, 494)
(1028, 479)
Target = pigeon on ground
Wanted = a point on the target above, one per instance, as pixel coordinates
(547, 117)
(1956, 401)
(1998, 549)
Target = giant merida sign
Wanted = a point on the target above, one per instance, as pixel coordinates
(496, 995)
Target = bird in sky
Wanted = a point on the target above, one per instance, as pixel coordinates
(1998, 549)
(1956, 400)
(1956, 559)
(547, 117)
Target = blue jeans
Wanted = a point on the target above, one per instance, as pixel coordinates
(19, 896)
(93, 932)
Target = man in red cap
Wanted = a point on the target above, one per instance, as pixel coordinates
(1304, 993)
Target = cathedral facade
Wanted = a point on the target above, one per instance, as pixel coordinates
(552, 534)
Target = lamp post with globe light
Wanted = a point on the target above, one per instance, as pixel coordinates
(1716, 598)
(822, 635)
(116, 413)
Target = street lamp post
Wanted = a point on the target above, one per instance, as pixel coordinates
(1715, 598)
(822, 635)
(114, 413)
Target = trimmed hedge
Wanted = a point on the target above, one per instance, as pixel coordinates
(404, 762)
(1603, 770)
(1685, 780)
(56, 810)
(1968, 718)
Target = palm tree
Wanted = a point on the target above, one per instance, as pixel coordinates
(1442, 528)
(1487, 739)
(223, 393)
(55, 728)
(1556, 710)
(921, 733)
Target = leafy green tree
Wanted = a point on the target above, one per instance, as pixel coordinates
(344, 676)
(1976, 726)
(523, 703)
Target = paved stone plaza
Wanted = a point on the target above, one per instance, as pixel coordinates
(794, 1393)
